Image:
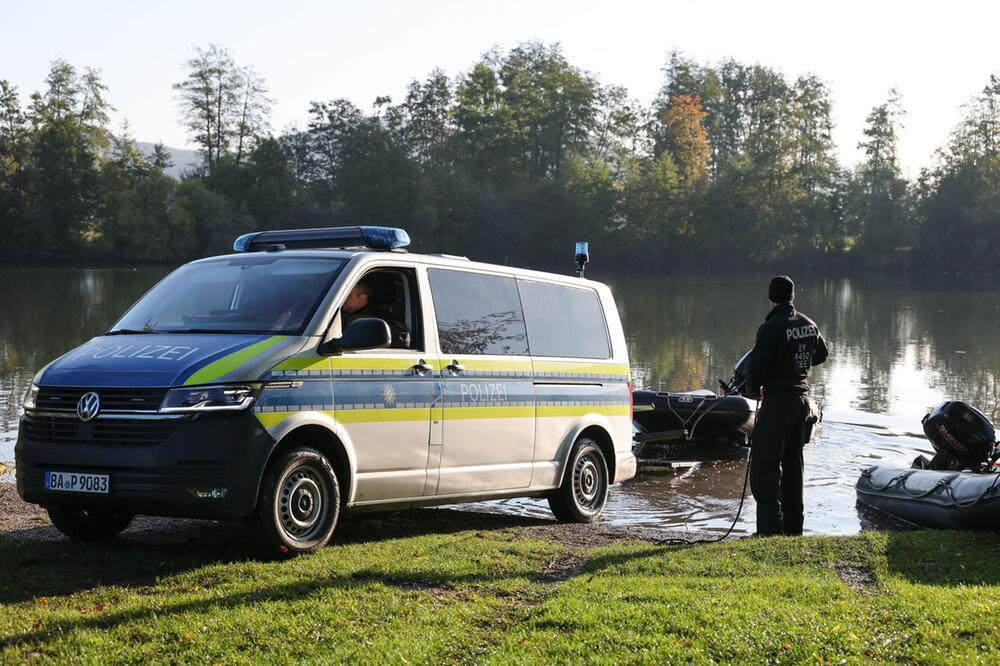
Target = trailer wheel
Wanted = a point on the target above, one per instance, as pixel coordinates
(299, 505)
(584, 490)
(87, 525)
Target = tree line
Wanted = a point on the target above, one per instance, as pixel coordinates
(733, 165)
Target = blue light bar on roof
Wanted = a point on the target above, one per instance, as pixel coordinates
(376, 238)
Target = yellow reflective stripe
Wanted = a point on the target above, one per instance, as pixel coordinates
(230, 362)
(303, 363)
(583, 410)
(269, 419)
(455, 413)
(582, 368)
(478, 364)
(382, 415)
(405, 363)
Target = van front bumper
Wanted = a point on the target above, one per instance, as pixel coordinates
(155, 467)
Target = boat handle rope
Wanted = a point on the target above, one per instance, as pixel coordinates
(944, 482)
(684, 422)
(988, 490)
(689, 434)
(900, 481)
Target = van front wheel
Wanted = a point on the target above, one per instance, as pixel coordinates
(299, 504)
(584, 490)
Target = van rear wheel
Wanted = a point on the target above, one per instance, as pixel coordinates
(87, 525)
(299, 504)
(584, 490)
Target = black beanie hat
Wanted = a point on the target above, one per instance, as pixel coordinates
(781, 289)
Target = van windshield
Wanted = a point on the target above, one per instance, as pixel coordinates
(253, 294)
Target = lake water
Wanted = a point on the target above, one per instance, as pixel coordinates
(898, 347)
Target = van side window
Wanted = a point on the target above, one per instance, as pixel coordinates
(477, 313)
(393, 297)
(564, 321)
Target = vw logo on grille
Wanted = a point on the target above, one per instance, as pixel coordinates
(88, 406)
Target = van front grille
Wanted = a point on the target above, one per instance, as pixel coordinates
(55, 398)
(100, 432)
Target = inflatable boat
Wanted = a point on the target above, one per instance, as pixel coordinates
(952, 500)
(959, 488)
(679, 429)
(700, 416)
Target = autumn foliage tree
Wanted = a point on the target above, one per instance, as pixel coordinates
(686, 140)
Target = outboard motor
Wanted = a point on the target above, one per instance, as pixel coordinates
(962, 437)
(738, 383)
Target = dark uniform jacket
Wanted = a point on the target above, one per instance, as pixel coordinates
(788, 344)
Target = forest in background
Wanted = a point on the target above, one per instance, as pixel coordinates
(731, 166)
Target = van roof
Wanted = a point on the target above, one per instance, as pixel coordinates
(443, 260)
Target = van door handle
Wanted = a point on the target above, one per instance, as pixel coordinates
(422, 367)
(455, 368)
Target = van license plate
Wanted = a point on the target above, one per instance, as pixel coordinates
(75, 482)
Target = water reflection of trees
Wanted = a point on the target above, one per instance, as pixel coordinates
(48, 311)
(685, 333)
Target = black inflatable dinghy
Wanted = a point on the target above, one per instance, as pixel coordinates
(677, 429)
(952, 500)
(959, 488)
(694, 416)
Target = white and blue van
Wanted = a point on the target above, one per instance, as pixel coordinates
(322, 370)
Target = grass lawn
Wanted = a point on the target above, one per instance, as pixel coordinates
(401, 593)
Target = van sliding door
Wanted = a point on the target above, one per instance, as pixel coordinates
(487, 395)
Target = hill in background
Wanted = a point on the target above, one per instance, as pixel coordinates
(181, 160)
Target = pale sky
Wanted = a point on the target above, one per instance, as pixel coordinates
(937, 54)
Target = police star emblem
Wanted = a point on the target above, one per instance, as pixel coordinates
(389, 395)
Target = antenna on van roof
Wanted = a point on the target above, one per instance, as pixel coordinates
(582, 257)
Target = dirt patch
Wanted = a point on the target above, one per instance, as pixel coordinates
(857, 576)
(19, 516)
(597, 535)
(441, 592)
(563, 567)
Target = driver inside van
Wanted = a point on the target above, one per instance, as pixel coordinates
(360, 303)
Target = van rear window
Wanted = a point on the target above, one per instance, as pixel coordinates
(477, 313)
(564, 321)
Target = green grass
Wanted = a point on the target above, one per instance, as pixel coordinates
(393, 591)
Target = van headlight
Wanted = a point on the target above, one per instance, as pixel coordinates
(225, 397)
(31, 397)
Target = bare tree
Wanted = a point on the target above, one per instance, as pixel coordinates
(223, 105)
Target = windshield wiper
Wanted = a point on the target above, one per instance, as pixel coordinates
(131, 331)
(234, 331)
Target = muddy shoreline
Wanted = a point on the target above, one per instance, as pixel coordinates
(29, 522)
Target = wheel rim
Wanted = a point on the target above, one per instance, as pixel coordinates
(302, 503)
(588, 482)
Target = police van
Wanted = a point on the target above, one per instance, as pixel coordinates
(322, 370)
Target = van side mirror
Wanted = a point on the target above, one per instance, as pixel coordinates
(363, 333)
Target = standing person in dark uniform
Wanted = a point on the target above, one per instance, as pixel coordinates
(788, 345)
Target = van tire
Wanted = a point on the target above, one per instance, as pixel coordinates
(298, 507)
(584, 489)
(87, 525)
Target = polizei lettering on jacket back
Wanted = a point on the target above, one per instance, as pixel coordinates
(800, 332)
